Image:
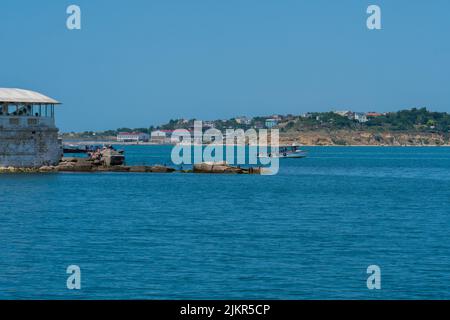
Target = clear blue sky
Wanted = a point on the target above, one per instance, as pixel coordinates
(140, 63)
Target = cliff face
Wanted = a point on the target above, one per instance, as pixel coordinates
(344, 137)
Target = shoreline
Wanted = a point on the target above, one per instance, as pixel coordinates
(115, 143)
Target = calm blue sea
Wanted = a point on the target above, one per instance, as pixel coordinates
(309, 232)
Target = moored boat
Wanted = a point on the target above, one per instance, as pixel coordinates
(285, 152)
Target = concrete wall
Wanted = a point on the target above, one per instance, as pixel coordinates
(24, 145)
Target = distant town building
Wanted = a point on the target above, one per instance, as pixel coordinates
(259, 125)
(373, 114)
(161, 136)
(212, 136)
(270, 123)
(132, 137)
(208, 124)
(158, 136)
(345, 113)
(360, 117)
(177, 137)
(243, 120)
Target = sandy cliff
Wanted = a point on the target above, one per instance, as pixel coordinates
(343, 137)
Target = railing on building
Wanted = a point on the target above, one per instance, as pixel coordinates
(17, 115)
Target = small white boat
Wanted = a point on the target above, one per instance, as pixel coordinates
(285, 152)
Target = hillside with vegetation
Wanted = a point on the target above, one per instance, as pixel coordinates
(406, 127)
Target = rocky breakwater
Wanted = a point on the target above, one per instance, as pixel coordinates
(223, 167)
(70, 164)
(18, 170)
(86, 165)
(89, 165)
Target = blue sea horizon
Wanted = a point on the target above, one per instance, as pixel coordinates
(309, 232)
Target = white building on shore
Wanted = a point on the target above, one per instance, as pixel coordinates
(28, 135)
(360, 117)
(163, 136)
(132, 137)
(243, 120)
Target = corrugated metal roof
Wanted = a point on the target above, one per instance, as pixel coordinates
(13, 95)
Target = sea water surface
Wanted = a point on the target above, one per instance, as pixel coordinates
(309, 232)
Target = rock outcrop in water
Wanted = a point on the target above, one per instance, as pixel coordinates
(223, 167)
(89, 165)
(107, 159)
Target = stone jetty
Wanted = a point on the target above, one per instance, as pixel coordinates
(73, 164)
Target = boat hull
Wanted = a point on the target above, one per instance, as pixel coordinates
(293, 155)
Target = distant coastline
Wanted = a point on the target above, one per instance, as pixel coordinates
(414, 127)
(325, 142)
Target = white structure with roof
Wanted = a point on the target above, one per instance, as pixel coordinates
(270, 123)
(28, 135)
(132, 137)
(361, 117)
(161, 136)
